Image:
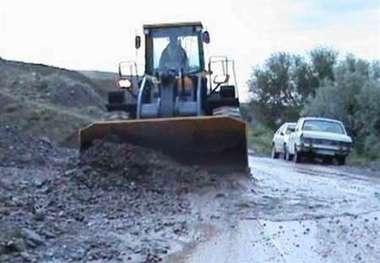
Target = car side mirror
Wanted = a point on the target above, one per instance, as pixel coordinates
(137, 42)
(282, 133)
(206, 37)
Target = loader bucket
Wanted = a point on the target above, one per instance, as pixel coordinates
(214, 142)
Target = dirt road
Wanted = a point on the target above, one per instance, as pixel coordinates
(298, 213)
(54, 210)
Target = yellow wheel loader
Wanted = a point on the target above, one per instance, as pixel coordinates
(179, 106)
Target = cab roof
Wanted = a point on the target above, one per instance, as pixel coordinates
(171, 25)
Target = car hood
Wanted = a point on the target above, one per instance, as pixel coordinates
(327, 136)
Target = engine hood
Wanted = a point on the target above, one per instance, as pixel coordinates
(327, 136)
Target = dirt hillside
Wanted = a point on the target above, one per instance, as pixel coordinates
(47, 101)
(49, 85)
(105, 81)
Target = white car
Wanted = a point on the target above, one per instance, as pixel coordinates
(319, 137)
(281, 138)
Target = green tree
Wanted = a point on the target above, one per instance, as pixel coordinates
(354, 99)
(272, 89)
(288, 86)
(323, 61)
(368, 119)
(282, 85)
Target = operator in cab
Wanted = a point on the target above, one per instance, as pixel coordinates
(174, 56)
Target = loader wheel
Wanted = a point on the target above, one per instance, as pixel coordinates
(274, 153)
(116, 97)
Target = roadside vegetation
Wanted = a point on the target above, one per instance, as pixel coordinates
(321, 84)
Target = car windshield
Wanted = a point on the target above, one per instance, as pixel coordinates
(323, 126)
(290, 128)
(176, 49)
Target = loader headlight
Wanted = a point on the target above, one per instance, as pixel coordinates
(124, 84)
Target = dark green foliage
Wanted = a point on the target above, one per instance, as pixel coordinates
(282, 85)
(323, 61)
(288, 86)
(354, 98)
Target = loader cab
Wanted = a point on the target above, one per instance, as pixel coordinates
(183, 42)
(173, 84)
(176, 82)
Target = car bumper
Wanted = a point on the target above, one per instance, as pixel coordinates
(323, 150)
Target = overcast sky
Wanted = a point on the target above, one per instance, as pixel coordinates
(96, 35)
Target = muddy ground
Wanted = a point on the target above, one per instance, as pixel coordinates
(137, 205)
(118, 203)
(300, 213)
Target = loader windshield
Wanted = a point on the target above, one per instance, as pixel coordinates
(176, 49)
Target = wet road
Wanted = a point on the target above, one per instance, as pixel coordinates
(299, 213)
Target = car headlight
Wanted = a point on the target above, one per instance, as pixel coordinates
(345, 145)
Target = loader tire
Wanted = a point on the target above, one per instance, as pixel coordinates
(116, 97)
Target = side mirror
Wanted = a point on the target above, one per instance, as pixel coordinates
(220, 79)
(127, 69)
(124, 84)
(206, 37)
(282, 133)
(137, 42)
(124, 69)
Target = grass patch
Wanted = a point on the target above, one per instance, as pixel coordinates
(357, 159)
(260, 139)
(361, 160)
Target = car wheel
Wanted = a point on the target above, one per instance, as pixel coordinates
(327, 160)
(284, 152)
(274, 153)
(341, 160)
(297, 158)
(288, 156)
